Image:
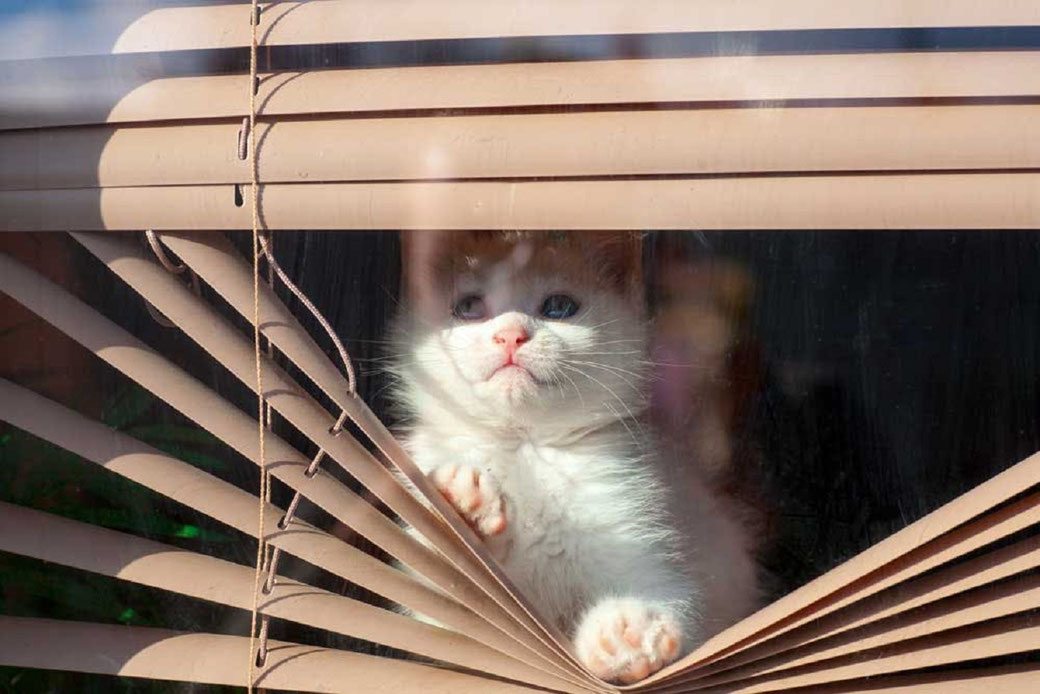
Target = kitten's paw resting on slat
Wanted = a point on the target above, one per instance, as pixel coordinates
(475, 495)
(627, 639)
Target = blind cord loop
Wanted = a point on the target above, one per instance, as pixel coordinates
(243, 140)
(348, 365)
(312, 469)
(290, 511)
(173, 268)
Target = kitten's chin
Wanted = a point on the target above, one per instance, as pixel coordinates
(510, 387)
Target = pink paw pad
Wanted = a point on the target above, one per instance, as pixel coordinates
(627, 640)
(474, 494)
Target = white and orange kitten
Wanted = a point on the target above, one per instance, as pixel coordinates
(523, 380)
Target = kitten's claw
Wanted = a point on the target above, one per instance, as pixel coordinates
(474, 494)
(625, 640)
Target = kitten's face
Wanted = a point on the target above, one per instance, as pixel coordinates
(531, 330)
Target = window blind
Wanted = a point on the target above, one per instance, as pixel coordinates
(464, 115)
(723, 115)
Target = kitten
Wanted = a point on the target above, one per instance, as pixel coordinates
(523, 380)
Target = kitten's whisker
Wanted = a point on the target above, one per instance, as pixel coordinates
(617, 371)
(367, 341)
(379, 392)
(600, 325)
(606, 388)
(618, 341)
(623, 352)
(702, 367)
(622, 419)
(577, 390)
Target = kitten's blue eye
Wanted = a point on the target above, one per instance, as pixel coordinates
(559, 306)
(470, 307)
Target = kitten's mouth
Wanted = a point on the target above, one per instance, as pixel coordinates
(508, 366)
(511, 368)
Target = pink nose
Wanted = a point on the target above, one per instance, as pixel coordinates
(512, 337)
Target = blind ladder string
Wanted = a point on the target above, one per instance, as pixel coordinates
(174, 269)
(348, 366)
(274, 269)
(261, 655)
(264, 246)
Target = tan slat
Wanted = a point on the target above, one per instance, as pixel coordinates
(1019, 634)
(944, 583)
(941, 536)
(899, 558)
(536, 145)
(456, 541)
(123, 30)
(150, 370)
(925, 201)
(1005, 679)
(992, 602)
(228, 504)
(79, 545)
(108, 649)
(51, 99)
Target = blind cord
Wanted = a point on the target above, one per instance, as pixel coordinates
(261, 654)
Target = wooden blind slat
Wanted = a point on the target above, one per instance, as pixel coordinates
(1008, 636)
(627, 143)
(119, 555)
(51, 100)
(905, 201)
(1005, 679)
(116, 649)
(924, 590)
(882, 566)
(228, 504)
(147, 28)
(1003, 600)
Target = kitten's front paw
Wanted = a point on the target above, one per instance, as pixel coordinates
(474, 494)
(627, 639)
